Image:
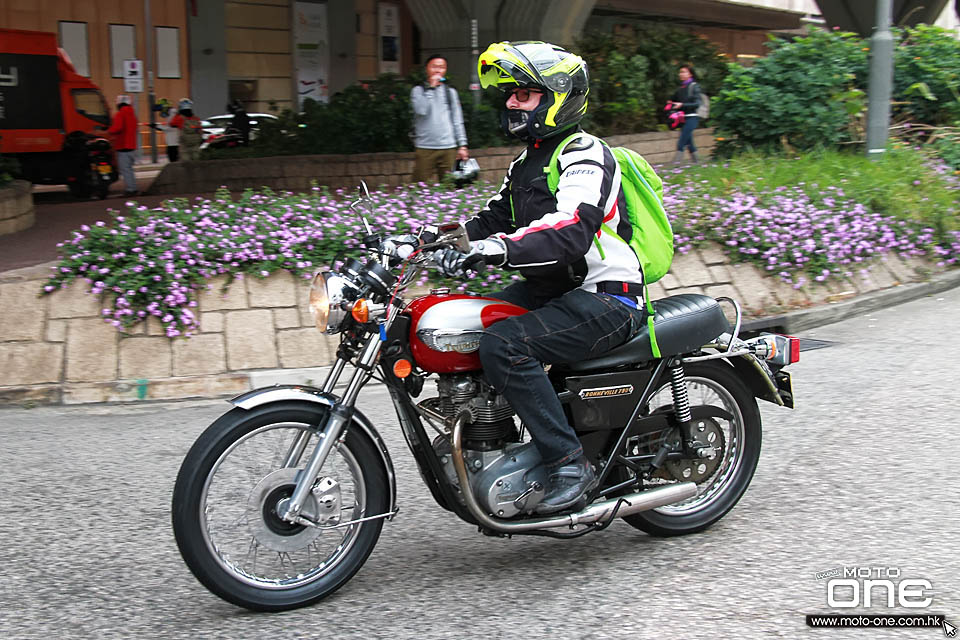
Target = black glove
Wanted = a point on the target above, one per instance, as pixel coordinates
(455, 264)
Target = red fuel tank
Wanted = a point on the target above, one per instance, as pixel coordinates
(446, 328)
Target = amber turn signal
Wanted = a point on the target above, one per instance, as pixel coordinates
(402, 368)
(361, 312)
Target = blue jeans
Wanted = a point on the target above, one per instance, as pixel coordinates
(686, 134)
(575, 326)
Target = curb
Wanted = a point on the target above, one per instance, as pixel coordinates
(803, 319)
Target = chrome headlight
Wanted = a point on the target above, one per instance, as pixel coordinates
(326, 300)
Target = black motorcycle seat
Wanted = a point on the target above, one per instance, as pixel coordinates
(682, 323)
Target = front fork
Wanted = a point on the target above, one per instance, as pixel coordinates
(340, 414)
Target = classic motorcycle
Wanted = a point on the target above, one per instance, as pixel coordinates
(282, 499)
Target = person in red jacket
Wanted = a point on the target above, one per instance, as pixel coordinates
(124, 130)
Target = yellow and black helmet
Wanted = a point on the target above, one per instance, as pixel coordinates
(561, 75)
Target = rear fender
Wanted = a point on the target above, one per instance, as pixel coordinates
(759, 379)
(302, 393)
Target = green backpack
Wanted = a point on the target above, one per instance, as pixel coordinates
(652, 238)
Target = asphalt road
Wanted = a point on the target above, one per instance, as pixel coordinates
(861, 474)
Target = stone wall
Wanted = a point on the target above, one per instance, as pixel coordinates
(295, 173)
(57, 349)
(16, 207)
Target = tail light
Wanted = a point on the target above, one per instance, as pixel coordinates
(776, 348)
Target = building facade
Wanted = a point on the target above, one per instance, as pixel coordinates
(273, 54)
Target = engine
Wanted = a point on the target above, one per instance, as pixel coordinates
(506, 476)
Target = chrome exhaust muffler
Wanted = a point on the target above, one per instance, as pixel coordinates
(629, 504)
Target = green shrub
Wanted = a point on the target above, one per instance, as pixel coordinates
(803, 94)
(811, 92)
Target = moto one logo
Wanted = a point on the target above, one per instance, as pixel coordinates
(866, 586)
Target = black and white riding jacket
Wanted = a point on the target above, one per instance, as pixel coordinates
(555, 240)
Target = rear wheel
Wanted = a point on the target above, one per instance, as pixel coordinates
(721, 480)
(233, 486)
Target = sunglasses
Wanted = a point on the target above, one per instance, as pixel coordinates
(523, 94)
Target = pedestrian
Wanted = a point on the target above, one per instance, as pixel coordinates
(440, 137)
(191, 130)
(124, 132)
(240, 122)
(583, 284)
(171, 132)
(687, 98)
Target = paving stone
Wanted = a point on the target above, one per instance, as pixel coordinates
(91, 351)
(670, 282)
(21, 312)
(250, 340)
(75, 301)
(56, 331)
(874, 276)
(286, 318)
(276, 290)
(303, 348)
(900, 270)
(211, 322)
(712, 254)
(720, 274)
(214, 300)
(690, 270)
(30, 363)
(199, 355)
(30, 395)
(656, 291)
(754, 287)
(145, 357)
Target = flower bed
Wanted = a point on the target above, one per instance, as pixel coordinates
(153, 262)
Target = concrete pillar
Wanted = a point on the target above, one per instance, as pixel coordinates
(208, 57)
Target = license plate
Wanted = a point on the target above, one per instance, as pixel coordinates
(104, 168)
(785, 386)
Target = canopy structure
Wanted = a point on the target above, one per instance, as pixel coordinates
(860, 16)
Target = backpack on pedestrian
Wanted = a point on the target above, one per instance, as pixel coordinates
(192, 132)
(703, 111)
(652, 236)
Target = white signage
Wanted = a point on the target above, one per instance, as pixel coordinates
(388, 15)
(133, 76)
(311, 53)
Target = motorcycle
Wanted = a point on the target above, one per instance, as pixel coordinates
(92, 164)
(282, 499)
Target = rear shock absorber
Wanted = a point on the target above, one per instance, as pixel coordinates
(681, 399)
(681, 404)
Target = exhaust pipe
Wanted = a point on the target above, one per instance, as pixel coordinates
(629, 504)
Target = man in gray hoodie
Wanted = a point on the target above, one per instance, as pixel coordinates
(438, 122)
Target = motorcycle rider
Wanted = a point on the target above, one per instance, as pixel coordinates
(583, 286)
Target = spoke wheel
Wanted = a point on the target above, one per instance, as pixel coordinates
(234, 486)
(721, 478)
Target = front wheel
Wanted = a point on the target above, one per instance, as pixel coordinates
(721, 479)
(235, 481)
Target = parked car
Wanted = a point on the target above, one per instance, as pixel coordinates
(216, 125)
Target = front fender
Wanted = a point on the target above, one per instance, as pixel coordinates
(302, 393)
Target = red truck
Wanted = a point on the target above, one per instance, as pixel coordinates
(51, 117)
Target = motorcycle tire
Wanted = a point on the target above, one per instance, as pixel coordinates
(79, 189)
(102, 190)
(714, 501)
(233, 577)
